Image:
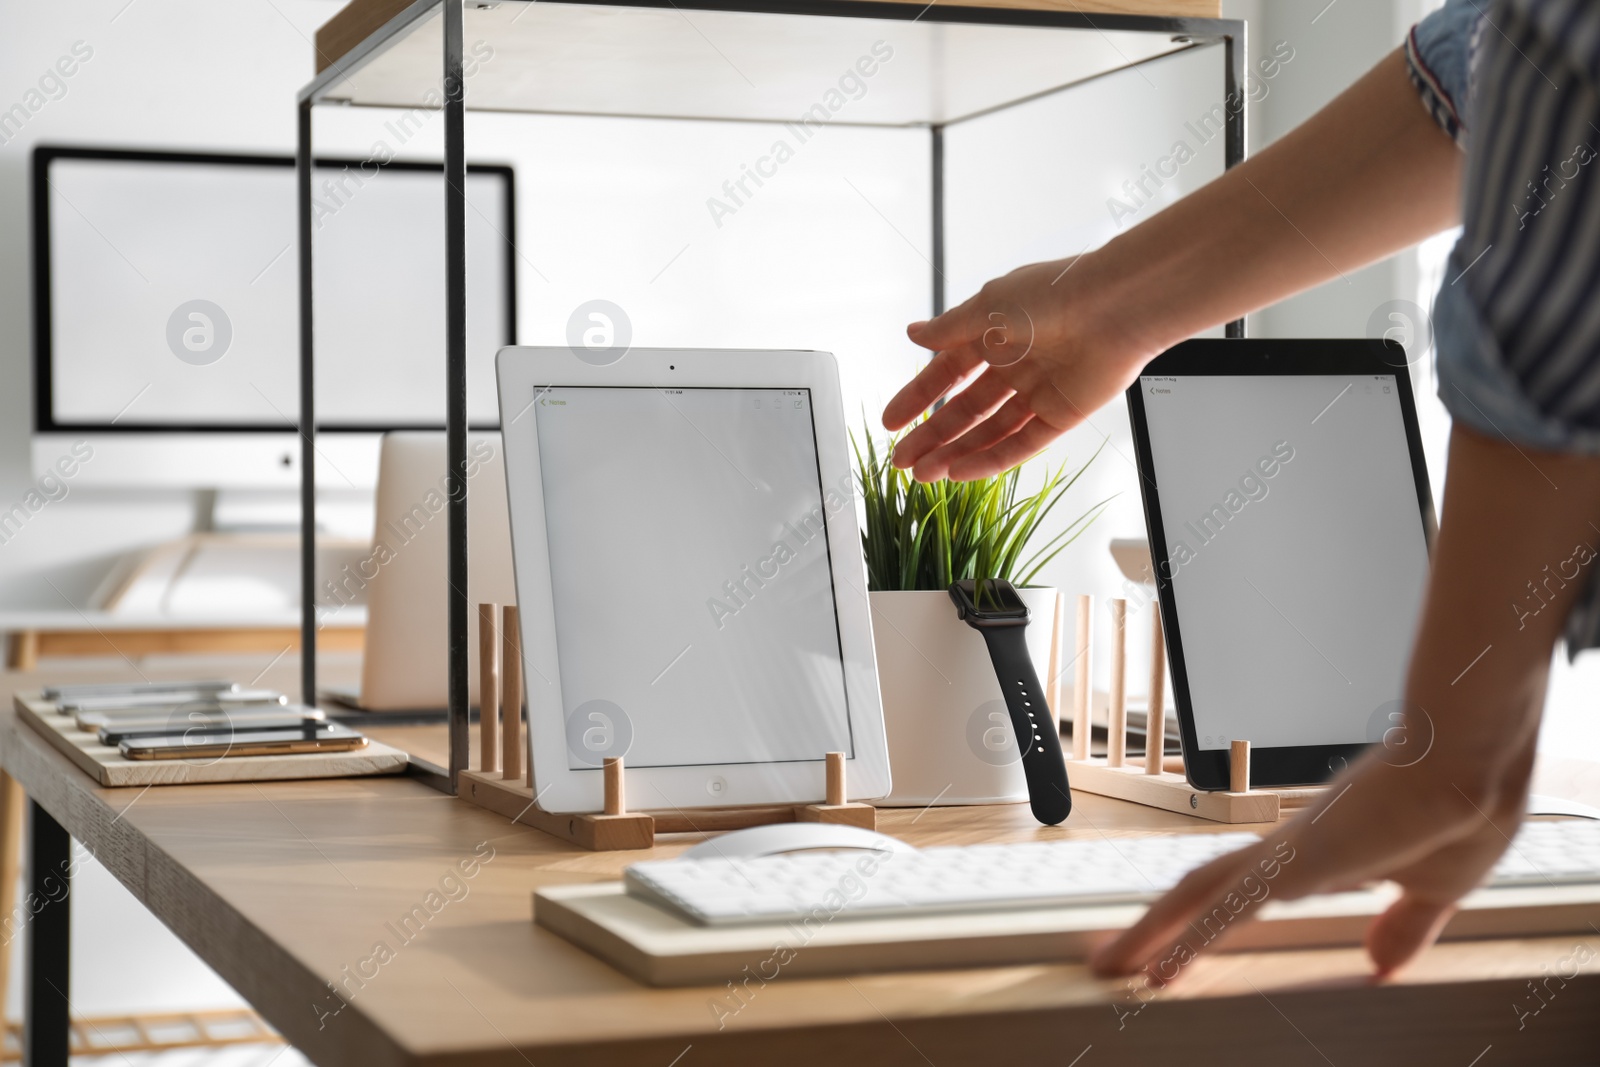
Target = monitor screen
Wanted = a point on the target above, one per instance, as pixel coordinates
(170, 292)
(730, 653)
(1297, 550)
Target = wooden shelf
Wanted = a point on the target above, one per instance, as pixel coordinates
(359, 19)
(660, 60)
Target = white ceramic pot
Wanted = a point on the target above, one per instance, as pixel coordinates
(950, 737)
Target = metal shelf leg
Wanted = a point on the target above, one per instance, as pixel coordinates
(308, 420)
(46, 1011)
(1233, 145)
(455, 420)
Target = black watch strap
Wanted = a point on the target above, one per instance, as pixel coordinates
(1037, 737)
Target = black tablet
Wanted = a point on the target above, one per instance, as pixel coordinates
(1287, 502)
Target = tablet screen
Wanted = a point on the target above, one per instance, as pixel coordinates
(1296, 549)
(690, 574)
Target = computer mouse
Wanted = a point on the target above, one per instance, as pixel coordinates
(792, 837)
(1538, 804)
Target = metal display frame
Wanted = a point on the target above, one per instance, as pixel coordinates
(1230, 33)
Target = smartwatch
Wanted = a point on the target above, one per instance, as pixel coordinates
(993, 608)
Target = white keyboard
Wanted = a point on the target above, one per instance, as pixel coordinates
(855, 883)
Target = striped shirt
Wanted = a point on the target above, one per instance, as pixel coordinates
(1517, 318)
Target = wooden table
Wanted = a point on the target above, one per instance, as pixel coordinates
(33, 635)
(286, 888)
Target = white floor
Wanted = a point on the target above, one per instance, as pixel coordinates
(241, 1056)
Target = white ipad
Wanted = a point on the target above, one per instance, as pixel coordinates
(688, 565)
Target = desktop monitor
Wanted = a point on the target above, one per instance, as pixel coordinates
(167, 312)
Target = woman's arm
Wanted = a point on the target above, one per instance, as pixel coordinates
(1516, 547)
(1368, 175)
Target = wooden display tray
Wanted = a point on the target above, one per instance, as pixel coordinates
(501, 783)
(1150, 783)
(657, 948)
(107, 766)
(1172, 792)
(622, 830)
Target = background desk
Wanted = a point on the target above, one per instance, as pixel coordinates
(32, 635)
(286, 887)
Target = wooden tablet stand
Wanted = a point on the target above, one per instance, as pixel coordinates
(501, 784)
(1151, 783)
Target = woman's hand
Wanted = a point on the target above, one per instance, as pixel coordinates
(1368, 175)
(1410, 825)
(1048, 344)
(1436, 805)
(1046, 361)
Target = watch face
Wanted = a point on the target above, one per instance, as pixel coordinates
(988, 598)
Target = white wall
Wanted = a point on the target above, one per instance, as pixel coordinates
(1035, 183)
(613, 209)
(1334, 44)
(1015, 199)
(608, 209)
(832, 254)
(159, 74)
(605, 207)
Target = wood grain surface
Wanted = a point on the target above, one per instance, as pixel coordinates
(287, 887)
(359, 19)
(109, 767)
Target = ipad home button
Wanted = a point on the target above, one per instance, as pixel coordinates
(717, 786)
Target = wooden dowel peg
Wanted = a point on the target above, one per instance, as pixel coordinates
(835, 808)
(511, 695)
(1052, 685)
(1155, 719)
(1082, 678)
(1239, 767)
(1117, 716)
(488, 687)
(616, 795)
(835, 786)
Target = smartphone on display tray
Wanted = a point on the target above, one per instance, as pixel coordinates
(213, 724)
(313, 737)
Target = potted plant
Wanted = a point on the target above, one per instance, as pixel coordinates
(950, 739)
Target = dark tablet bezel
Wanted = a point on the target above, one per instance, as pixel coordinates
(1217, 357)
